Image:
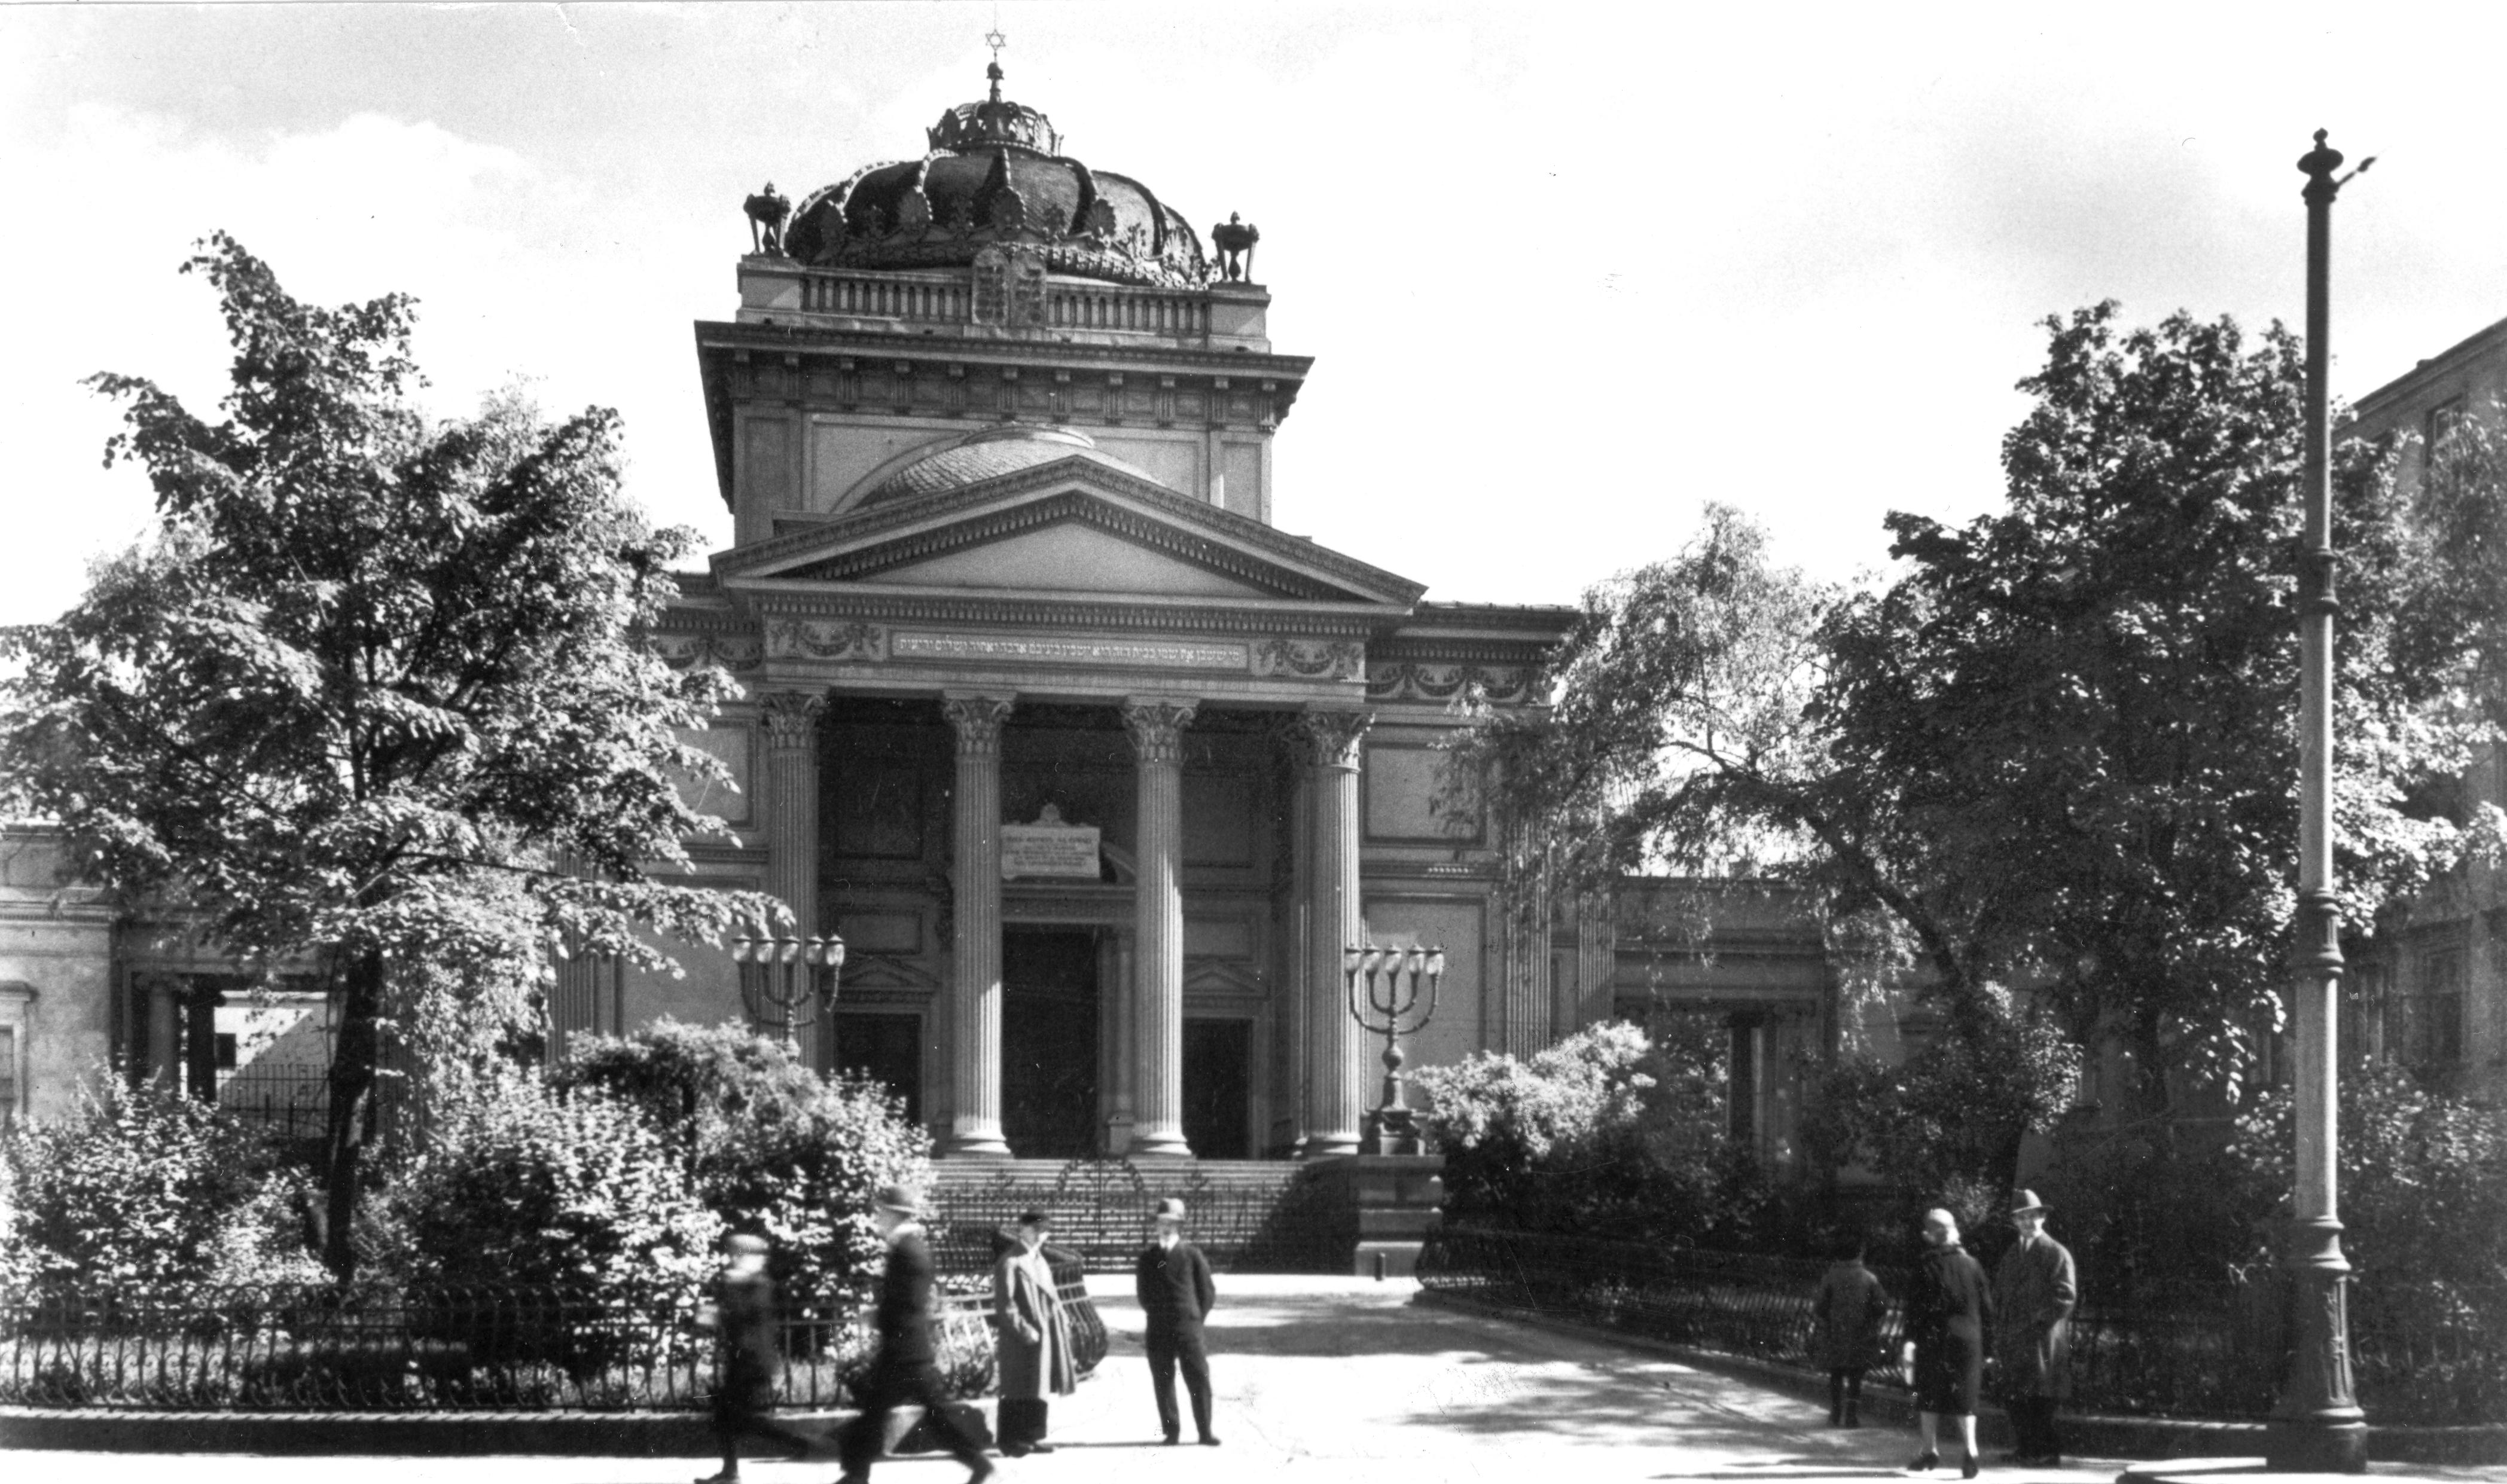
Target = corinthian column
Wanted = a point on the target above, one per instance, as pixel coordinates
(1336, 1073)
(975, 965)
(791, 807)
(1157, 740)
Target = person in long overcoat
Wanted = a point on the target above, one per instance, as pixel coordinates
(1847, 1315)
(2035, 1287)
(1033, 1339)
(1173, 1280)
(1948, 1306)
(906, 1372)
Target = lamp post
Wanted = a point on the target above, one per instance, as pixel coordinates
(2318, 1427)
(1389, 1006)
(787, 982)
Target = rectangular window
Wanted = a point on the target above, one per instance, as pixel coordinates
(2424, 1027)
(2441, 420)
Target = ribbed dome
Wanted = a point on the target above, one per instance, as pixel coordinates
(995, 175)
(987, 454)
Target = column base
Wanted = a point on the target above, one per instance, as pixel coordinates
(1159, 1143)
(1327, 1146)
(973, 1146)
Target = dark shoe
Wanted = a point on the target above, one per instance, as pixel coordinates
(1967, 1466)
(1017, 1449)
(1040, 1447)
(1172, 1439)
(1924, 1461)
(979, 1470)
(1209, 1440)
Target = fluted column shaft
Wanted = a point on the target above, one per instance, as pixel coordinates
(1157, 743)
(791, 809)
(976, 962)
(1336, 1052)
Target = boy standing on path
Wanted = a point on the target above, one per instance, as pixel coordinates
(1176, 1293)
(907, 1368)
(744, 1323)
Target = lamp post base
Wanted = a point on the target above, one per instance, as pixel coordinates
(2318, 1427)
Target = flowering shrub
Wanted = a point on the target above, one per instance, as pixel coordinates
(522, 1189)
(144, 1191)
(772, 1147)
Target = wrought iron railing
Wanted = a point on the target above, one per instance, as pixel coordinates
(2179, 1348)
(465, 1349)
(1100, 1214)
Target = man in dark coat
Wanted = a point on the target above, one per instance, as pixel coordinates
(907, 1368)
(1176, 1294)
(2034, 1290)
(1847, 1315)
(742, 1319)
(1948, 1309)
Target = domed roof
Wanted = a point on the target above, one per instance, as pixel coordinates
(986, 455)
(995, 175)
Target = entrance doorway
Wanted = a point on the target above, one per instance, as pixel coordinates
(1218, 1087)
(887, 1049)
(1049, 1042)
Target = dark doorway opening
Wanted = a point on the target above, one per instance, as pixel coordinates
(1049, 1043)
(1218, 1087)
(887, 1049)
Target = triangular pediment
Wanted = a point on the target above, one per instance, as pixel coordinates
(1073, 528)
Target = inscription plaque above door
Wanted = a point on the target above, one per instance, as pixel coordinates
(1050, 848)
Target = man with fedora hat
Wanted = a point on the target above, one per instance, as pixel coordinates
(906, 1370)
(1176, 1292)
(2034, 1290)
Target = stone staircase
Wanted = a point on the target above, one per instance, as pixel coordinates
(1250, 1216)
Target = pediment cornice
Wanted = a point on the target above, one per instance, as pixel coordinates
(855, 546)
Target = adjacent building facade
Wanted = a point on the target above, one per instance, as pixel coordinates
(2431, 994)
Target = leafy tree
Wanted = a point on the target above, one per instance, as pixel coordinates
(2088, 698)
(2059, 749)
(371, 698)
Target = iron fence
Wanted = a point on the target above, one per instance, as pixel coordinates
(2180, 1349)
(1101, 1211)
(454, 1349)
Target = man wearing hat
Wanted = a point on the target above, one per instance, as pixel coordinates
(1176, 1294)
(906, 1372)
(2034, 1290)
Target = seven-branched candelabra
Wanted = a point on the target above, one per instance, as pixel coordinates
(1384, 998)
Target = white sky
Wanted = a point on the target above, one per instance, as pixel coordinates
(1568, 271)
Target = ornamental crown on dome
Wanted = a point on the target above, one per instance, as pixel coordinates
(994, 120)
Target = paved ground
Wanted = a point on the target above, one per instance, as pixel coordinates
(1320, 1380)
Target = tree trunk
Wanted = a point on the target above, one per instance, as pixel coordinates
(353, 1060)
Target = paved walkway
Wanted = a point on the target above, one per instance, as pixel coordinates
(1323, 1379)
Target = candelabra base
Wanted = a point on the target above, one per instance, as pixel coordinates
(1391, 1131)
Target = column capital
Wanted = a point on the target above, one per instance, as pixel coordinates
(1156, 724)
(976, 716)
(1330, 739)
(792, 718)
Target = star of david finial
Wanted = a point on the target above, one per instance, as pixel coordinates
(992, 69)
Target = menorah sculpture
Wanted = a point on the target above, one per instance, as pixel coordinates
(1391, 1007)
(787, 982)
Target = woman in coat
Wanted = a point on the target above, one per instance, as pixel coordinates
(1847, 1313)
(1948, 1309)
(1034, 1343)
